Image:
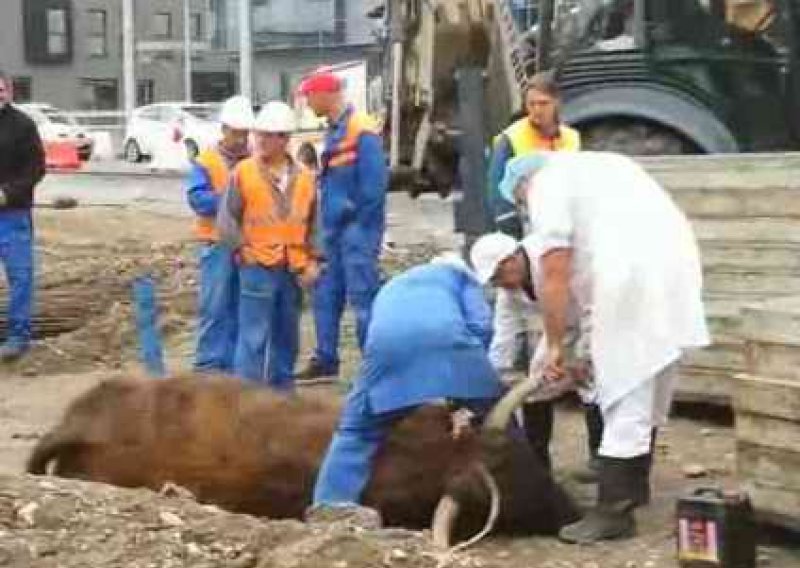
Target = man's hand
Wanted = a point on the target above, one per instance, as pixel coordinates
(554, 369)
(310, 275)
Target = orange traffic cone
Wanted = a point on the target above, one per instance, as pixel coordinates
(61, 156)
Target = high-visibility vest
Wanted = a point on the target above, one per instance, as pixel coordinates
(276, 227)
(525, 139)
(218, 172)
(345, 152)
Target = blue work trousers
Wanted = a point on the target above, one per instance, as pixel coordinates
(16, 256)
(350, 274)
(347, 466)
(218, 309)
(269, 321)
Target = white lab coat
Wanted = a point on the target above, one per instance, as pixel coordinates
(636, 268)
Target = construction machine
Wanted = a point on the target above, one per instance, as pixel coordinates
(642, 77)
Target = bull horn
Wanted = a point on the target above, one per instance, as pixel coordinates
(502, 412)
(444, 518)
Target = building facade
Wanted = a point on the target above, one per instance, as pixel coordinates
(69, 52)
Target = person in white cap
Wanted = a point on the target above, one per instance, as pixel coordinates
(518, 272)
(268, 216)
(219, 291)
(612, 241)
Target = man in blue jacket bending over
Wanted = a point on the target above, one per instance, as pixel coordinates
(352, 195)
(428, 339)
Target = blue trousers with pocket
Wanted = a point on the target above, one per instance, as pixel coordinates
(347, 466)
(218, 309)
(350, 275)
(269, 326)
(16, 257)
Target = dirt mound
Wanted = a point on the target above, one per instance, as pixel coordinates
(48, 522)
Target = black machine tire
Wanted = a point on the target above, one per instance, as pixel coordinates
(635, 138)
(132, 152)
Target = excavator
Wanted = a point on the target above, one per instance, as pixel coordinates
(641, 77)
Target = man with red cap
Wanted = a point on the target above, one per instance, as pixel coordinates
(352, 194)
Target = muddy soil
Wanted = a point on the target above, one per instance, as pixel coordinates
(52, 523)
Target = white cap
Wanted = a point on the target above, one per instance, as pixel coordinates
(488, 252)
(237, 112)
(276, 117)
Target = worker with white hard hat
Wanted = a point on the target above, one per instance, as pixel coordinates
(537, 414)
(612, 240)
(268, 216)
(219, 282)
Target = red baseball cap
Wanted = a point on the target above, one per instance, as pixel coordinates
(320, 81)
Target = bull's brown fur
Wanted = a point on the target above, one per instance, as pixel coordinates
(248, 450)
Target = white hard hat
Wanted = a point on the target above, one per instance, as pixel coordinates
(237, 112)
(488, 252)
(276, 117)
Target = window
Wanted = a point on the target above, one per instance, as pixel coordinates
(99, 94)
(22, 89)
(97, 40)
(47, 30)
(162, 25)
(145, 92)
(198, 29)
(56, 31)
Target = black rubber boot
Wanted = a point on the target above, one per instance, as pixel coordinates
(612, 518)
(594, 435)
(641, 484)
(537, 419)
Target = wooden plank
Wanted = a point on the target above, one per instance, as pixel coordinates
(769, 397)
(779, 506)
(711, 386)
(755, 256)
(766, 229)
(768, 201)
(724, 354)
(764, 283)
(774, 360)
(767, 431)
(772, 321)
(770, 467)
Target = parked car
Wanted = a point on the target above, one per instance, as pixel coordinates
(192, 126)
(55, 125)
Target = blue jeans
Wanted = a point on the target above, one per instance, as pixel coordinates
(350, 273)
(269, 321)
(346, 468)
(218, 305)
(16, 256)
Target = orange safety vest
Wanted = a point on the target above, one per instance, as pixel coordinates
(276, 226)
(345, 152)
(525, 139)
(218, 172)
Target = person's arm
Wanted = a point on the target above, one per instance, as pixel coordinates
(551, 206)
(509, 322)
(230, 215)
(373, 179)
(30, 168)
(477, 313)
(200, 194)
(505, 215)
(556, 266)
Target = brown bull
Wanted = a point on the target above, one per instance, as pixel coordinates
(251, 451)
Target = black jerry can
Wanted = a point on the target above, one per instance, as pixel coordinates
(716, 529)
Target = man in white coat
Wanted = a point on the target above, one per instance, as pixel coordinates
(627, 257)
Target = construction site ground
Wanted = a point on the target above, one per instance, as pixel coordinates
(87, 257)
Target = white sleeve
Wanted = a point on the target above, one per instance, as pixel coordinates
(551, 213)
(509, 321)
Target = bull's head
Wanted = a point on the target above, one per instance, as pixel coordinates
(517, 485)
